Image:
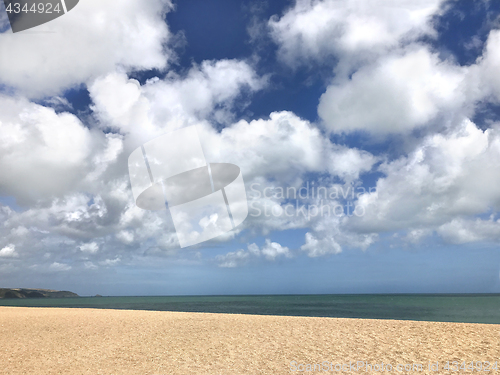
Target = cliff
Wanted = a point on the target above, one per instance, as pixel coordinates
(35, 293)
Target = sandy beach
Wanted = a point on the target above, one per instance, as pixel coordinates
(90, 341)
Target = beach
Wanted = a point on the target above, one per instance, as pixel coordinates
(94, 341)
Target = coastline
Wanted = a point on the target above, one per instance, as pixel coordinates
(99, 341)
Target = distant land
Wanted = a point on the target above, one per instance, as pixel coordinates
(35, 293)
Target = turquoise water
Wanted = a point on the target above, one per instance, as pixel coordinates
(467, 308)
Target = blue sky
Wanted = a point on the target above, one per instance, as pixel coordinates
(403, 100)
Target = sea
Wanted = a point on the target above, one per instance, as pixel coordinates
(465, 308)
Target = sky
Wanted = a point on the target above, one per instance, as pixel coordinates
(367, 134)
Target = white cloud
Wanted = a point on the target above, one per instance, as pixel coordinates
(459, 231)
(329, 230)
(409, 88)
(41, 149)
(95, 38)
(44, 155)
(484, 82)
(317, 247)
(91, 248)
(402, 90)
(76, 182)
(108, 151)
(414, 236)
(270, 251)
(283, 148)
(273, 250)
(110, 262)
(59, 267)
(279, 153)
(397, 93)
(385, 79)
(9, 251)
(208, 90)
(315, 29)
(446, 178)
(125, 237)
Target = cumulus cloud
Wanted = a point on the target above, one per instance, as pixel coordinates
(90, 248)
(40, 148)
(9, 251)
(328, 226)
(446, 178)
(483, 80)
(385, 80)
(283, 148)
(73, 176)
(44, 154)
(207, 91)
(98, 224)
(281, 153)
(270, 251)
(410, 88)
(93, 39)
(396, 94)
(320, 246)
(460, 230)
(316, 29)
(126, 237)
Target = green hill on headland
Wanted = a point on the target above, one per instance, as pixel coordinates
(35, 293)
